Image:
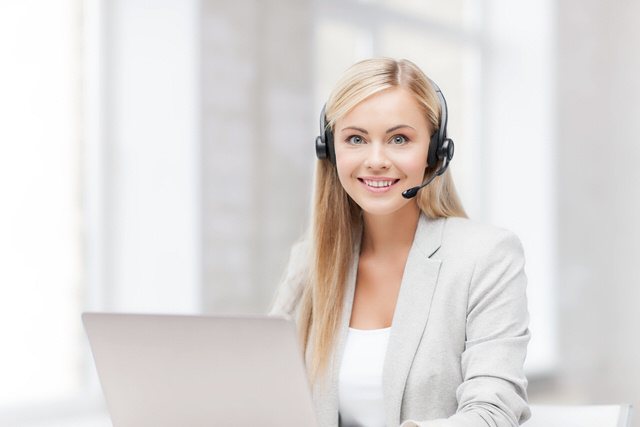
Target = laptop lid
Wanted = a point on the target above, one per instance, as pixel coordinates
(170, 370)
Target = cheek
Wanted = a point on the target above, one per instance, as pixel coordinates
(416, 165)
(346, 164)
(420, 167)
(345, 170)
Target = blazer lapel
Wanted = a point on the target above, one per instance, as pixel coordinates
(411, 313)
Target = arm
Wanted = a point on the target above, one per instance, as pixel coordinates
(493, 391)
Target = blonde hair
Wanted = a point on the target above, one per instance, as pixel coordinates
(336, 217)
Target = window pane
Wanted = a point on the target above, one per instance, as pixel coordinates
(40, 242)
(457, 13)
(340, 45)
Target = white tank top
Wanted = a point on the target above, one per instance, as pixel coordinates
(360, 396)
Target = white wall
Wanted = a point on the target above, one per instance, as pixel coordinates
(598, 93)
(517, 161)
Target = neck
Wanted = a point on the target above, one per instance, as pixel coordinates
(390, 234)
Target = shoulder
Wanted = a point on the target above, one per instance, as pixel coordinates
(455, 226)
(462, 240)
(469, 249)
(299, 256)
(475, 238)
(489, 259)
(294, 279)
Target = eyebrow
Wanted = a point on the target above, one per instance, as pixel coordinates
(393, 129)
(356, 128)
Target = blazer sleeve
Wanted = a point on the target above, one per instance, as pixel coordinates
(290, 289)
(493, 391)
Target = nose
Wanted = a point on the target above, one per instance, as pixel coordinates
(377, 157)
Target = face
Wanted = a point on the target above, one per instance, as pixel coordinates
(381, 148)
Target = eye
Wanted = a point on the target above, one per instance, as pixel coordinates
(399, 140)
(355, 139)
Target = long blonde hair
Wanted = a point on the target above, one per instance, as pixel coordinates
(336, 217)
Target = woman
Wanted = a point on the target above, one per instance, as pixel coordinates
(409, 313)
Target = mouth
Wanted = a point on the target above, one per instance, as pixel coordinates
(378, 185)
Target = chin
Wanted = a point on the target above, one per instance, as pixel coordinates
(385, 211)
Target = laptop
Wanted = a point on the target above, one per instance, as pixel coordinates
(192, 371)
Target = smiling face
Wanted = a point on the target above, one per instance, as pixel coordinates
(381, 150)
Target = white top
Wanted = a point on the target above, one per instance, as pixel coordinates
(360, 382)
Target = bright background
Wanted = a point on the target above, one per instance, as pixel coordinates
(156, 156)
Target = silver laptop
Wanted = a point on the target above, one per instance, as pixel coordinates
(191, 371)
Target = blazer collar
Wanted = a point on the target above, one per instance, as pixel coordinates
(428, 238)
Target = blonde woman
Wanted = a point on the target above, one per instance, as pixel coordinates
(410, 314)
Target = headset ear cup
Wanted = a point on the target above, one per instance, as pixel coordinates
(331, 154)
(446, 150)
(321, 148)
(324, 142)
(434, 148)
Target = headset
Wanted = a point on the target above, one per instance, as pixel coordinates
(441, 148)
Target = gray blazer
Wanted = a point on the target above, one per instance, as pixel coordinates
(459, 334)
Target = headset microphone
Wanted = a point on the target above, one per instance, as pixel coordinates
(447, 147)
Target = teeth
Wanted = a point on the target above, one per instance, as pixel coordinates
(378, 184)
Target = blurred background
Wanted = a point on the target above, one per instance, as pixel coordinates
(157, 155)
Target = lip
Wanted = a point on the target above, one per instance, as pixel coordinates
(377, 184)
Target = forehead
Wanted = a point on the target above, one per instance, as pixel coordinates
(390, 106)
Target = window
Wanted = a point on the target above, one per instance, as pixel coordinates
(98, 164)
(41, 277)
